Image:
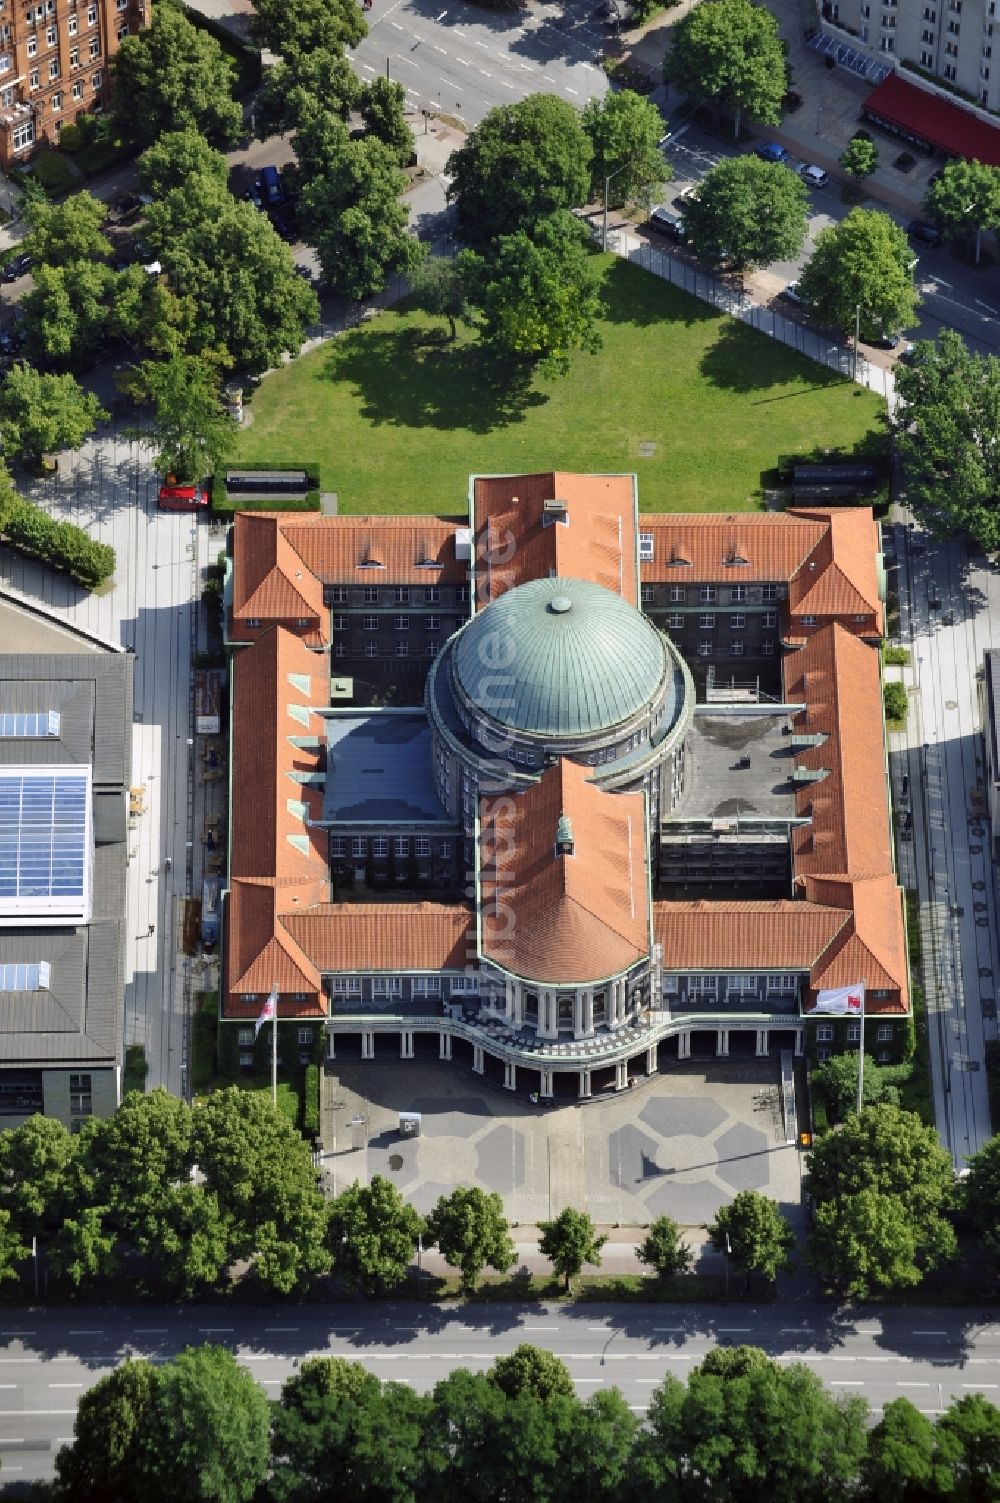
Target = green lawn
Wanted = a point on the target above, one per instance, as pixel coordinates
(397, 417)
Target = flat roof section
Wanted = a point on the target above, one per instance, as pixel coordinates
(741, 765)
(930, 118)
(379, 769)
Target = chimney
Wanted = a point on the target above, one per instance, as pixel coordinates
(564, 837)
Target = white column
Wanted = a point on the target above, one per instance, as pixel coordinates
(684, 1045)
(588, 1013)
(651, 1060)
(621, 1075)
(368, 1045)
(517, 1005)
(800, 1040)
(763, 1039)
(578, 1014)
(722, 1041)
(548, 1026)
(406, 1044)
(331, 1046)
(444, 1046)
(477, 1059)
(510, 992)
(546, 1082)
(510, 1076)
(584, 1090)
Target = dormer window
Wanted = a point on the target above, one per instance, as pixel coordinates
(647, 547)
(564, 837)
(554, 511)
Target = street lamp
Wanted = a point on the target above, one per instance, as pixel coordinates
(857, 339)
(607, 184)
(979, 230)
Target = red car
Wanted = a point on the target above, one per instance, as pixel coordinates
(176, 497)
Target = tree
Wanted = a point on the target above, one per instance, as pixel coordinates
(40, 414)
(237, 273)
(865, 263)
(373, 1235)
(85, 1246)
(883, 1188)
(965, 199)
(947, 413)
(206, 1434)
(837, 1079)
(191, 433)
(967, 1446)
(537, 298)
(730, 51)
(35, 1171)
(624, 131)
(754, 1233)
(188, 1238)
(530, 1369)
(303, 89)
(749, 1431)
(900, 1466)
(438, 286)
(747, 211)
(66, 233)
(335, 1420)
(66, 312)
(261, 1172)
(383, 105)
(981, 1195)
(145, 1145)
(663, 1249)
(352, 214)
(860, 157)
(13, 1247)
(471, 1230)
(177, 157)
(173, 76)
(102, 1464)
(519, 165)
(569, 1241)
(309, 26)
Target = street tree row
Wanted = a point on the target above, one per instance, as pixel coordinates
(740, 1430)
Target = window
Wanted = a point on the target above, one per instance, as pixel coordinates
(854, 1033)
(781, 983)
(401, 845)
(737, 621)
(704, 649)
(51, 36)
(71, 26)
(340, 623)
(859, 618)
(402, 649)
(91, 15)
(305, 1035)
(340, 649)
(675, 621)
(422, 845)
(884, 1056)
(745, 983)
(433, 623)
(359, 846)
(678, 594)
(402, 623)
(338, 845)
(371, 595)
(74, 57)
(347, 986)
(32, 46)
(387, 986)
(824, 1033)
(33, 82)
(767, 649)
(883, 1033)
(246, 1059)
(808, 620)
(444, 850)
(78, 94)
(707, 593)
(888, 44)
(80, 1096)
(949, 71)
(531, 1007)
(53, 68)
(769, 592)
(646, 547)
(738, 593)
(402, 596)
(8, 94)
(927, 58)
(823, 1055)
(23, 135)
(769, 618)
(338, 595)
(371, 623)
(432, 595)
(648, 594)
(468, 983)
(422, 985)
(95, 79)
(380, 846)
(736, 648)
(56, 103)
(706, 620)
(95, 47)
(244, 1035)
(431, 647)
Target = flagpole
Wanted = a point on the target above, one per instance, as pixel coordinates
(274, 1047)
(861, 1055)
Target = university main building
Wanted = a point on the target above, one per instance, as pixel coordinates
(491, 801)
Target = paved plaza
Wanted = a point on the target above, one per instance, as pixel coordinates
(681, 1143)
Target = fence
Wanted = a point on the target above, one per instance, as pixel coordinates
(721, 294)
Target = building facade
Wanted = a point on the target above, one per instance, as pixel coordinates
(564, 864)
(55, 64)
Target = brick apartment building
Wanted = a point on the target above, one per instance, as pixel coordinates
(55, 64)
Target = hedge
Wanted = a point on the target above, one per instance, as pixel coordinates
(244, 55)
(310, 1103)
(61, 544)
(897, 704)
(136, 1069)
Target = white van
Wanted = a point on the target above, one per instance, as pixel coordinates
(813, 177)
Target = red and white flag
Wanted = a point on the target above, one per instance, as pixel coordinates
(268, 1012)
(841, 999)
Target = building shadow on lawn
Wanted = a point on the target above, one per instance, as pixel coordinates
(633, 295)
(741, 359)
(419, 378)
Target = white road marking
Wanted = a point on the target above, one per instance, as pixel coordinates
(439, 49)
(910, 1383)
(86, 1333)
(504, 84)
(397, 25)
(526, 67)
(978, 1386)
(8, 1385)
(18, 1333)
(212, 1330)
(846, 1383)
(462, 61)
(733, 1330)
(571, 91)
(274, 1330)
(6, 1413)
(980, 304)
(150, 1331)
(930, 1333)
(65, 1385)
(478, 43)
(367, 68)
(485, 74)
(547, 78)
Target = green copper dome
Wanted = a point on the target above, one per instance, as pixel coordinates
(560, 657)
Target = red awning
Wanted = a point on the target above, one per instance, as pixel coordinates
(937, 121)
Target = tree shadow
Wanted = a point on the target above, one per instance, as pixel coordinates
(632, 296)
(744, 360)
(418, 378)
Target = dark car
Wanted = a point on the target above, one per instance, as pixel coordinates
(770, 151)
(925, 232)
(18, 267)
(9, 342)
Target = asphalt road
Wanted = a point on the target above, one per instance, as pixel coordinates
(48, 1357)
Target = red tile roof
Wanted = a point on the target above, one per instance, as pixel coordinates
(839, 578)
(872, 945)
(386, 936)
(270, 581)
(411, 550)
(598, 542)
(260, 950)
(705, 546)
(778, 935)
(564, 918)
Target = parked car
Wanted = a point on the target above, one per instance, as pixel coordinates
(770, 151)
(667, 222)
(792, 293)
(813, 176)
(9, 342)
(926, 233)
(175, 497)
(17, 267)
(270, 188)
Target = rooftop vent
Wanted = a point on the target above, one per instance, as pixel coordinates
(809, 774)
(463, 544)
(554, 511)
